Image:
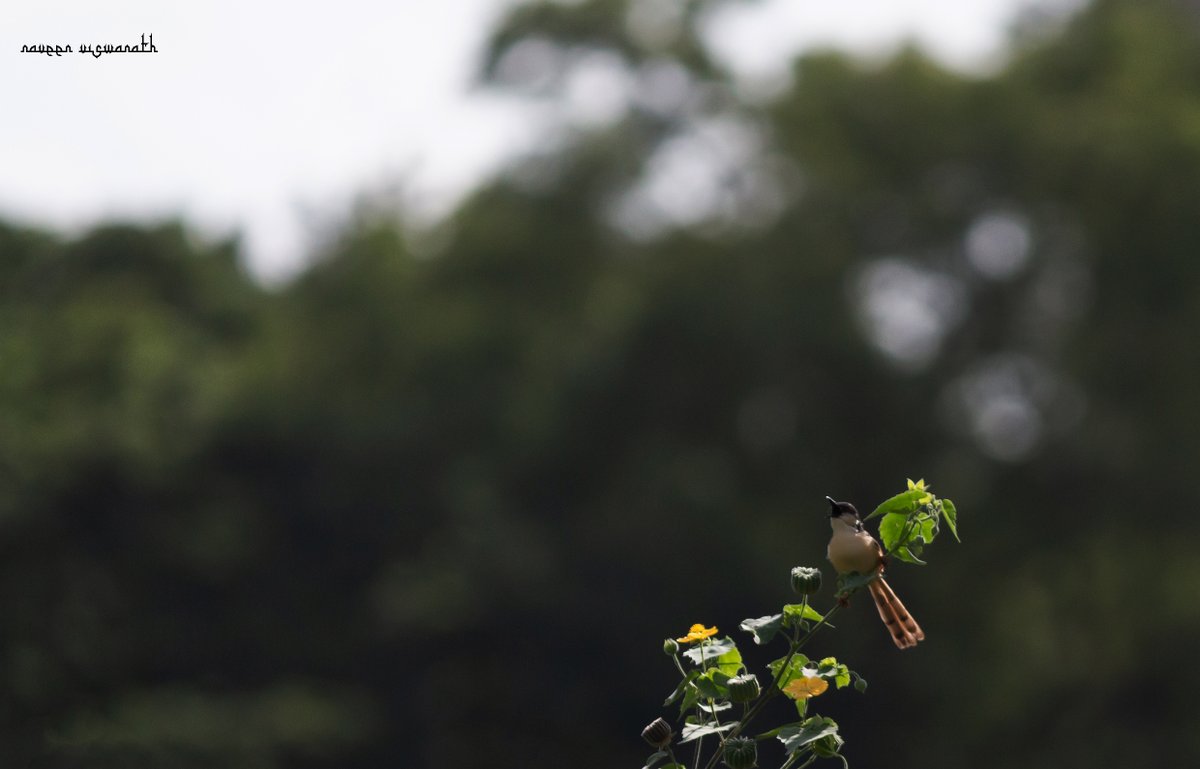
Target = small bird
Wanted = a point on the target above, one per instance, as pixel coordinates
(853, 549)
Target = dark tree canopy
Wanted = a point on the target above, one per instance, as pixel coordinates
(417, 506)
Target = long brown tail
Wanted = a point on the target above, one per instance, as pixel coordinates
(904, 629)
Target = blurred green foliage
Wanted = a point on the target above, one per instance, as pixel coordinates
(413, 508)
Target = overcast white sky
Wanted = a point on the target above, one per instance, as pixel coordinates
(254, 115)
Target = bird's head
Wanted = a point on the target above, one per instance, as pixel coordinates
(843, 511)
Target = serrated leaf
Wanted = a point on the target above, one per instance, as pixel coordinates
(796, 737)
(832, 670)
(794, 612)
(730, 663)
(713, 684)
(903, 503)
(795, 669)
(696, 731)
(711, 708)
(900, 532)
(927, 528)
(891, 528)
(710, 650)
(763, 628)
(950, 514)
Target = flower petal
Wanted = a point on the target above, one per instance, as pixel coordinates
(806, 687)
(697, 633)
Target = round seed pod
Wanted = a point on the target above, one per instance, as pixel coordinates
(744, 688)
(806, 580)
(658, 733)
(741, 753)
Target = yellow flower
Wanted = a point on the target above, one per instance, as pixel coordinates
(803, 688)
(920, 486)
(698, 633)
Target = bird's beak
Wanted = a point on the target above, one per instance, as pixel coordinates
(832, 504)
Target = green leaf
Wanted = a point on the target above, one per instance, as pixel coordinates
(696, 731)
(654, 759)
(832, 670)
(849, 583)
(910, 554)
(775, 732)
(710, 708)
(764, 628)
(891, 528)
(795, 669)
(904, 536)
(828, 746)
(713, 684)
(950, 514)
(796, 737)
(903, 503)
(730, 663)
(684, 685)
(927, 528)
(690, 699)
(794, 612)
(710, 650)
(801, 706)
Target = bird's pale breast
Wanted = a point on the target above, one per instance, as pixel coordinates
(853, 551)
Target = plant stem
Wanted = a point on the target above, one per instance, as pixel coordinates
(792, 759)
(704, 668)
(774, 688)
(903, 534)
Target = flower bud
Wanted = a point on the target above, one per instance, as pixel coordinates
(670, 647)
(744, 688)
(806, 580)
(741, 753)
(860, 684)
(658, 733)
